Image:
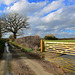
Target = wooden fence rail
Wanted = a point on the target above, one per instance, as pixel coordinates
(58, 47)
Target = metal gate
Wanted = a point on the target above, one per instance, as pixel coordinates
(58, 47)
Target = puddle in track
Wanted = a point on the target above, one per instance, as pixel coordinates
(7, 57)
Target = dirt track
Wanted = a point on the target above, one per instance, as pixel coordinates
(23, 65)
(2, 67)
(19, 63)
(1, 61)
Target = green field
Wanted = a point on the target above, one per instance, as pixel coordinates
(59, 40)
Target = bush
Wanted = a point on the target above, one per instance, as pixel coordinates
(50, 37)
(2, 42)
(11, 37)
(29, 42)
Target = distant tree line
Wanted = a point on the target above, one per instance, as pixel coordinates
(53, 37)
(50, 37)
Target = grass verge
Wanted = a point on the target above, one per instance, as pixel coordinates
(28, 50)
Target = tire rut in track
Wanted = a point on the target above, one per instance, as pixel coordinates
(19, 67)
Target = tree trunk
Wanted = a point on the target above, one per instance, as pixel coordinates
(14, 35)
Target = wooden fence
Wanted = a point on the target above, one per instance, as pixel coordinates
(58, 47)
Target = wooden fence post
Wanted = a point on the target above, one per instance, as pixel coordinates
(42, 45)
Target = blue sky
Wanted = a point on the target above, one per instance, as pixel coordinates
(46, 16)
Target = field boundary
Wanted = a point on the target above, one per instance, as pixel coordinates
(58, 47)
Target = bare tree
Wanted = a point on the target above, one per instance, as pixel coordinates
(15, 23)
(1, 27)
(0, 31)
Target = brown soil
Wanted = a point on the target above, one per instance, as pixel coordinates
(27, 63)
(52, 67)
(36, 67)
(2, 66)
(24, 65)
(19, 67)
(2, 62)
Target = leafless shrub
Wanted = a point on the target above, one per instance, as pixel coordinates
(29, 41)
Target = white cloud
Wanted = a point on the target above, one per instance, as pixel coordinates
(0, 1)
(24, 7)
(53, 23)
(52, 16)
(65, 34)
(64, 16)
(8, 2)
(41, 27)
(0, 11)
(50, 7)
(56, 21)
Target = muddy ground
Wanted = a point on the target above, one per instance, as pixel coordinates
(19, 67)
(2, 67)
(51, 68)
(2, 61)
(23, 63)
